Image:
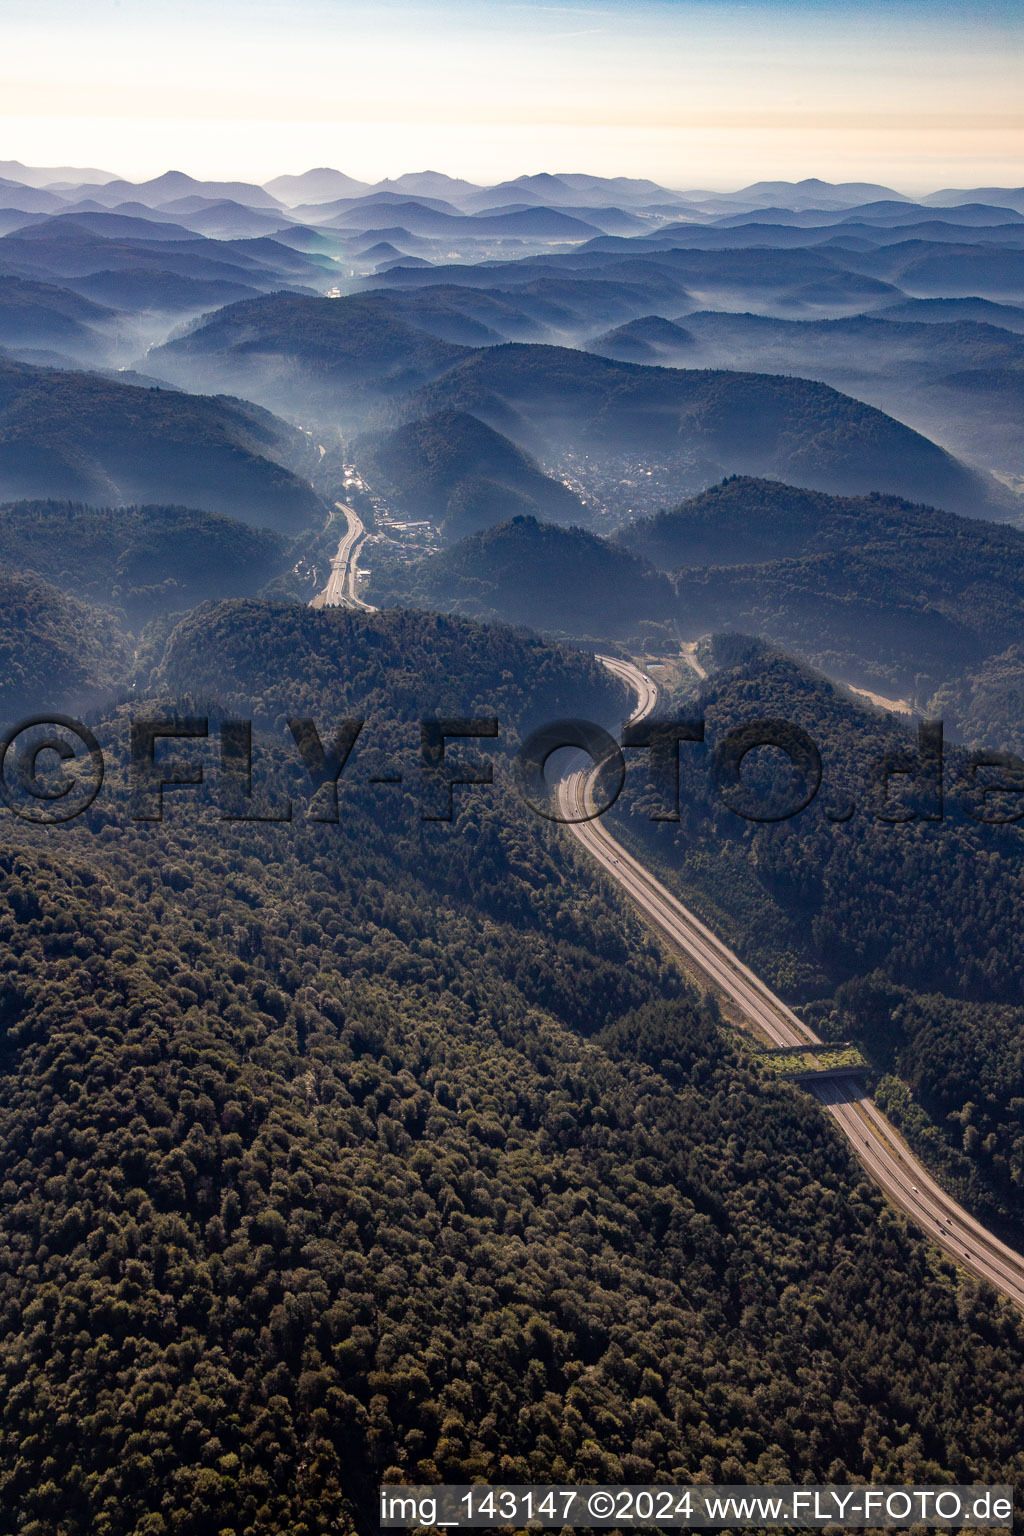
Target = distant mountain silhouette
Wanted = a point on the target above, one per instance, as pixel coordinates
(172, 184)
(429, 184)
(812, 193)
(318, 346)
(541, 223)
(651, 339)
(223, 218)
(362, 206)
(1009, 316)
(317, 186)
(570, 189)
(29, 199)
(1008, 197)
(886, 212)
(41, 314)
(46, 176)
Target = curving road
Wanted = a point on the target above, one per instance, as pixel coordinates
(645, 688)
(340, 591)
(876, 1143)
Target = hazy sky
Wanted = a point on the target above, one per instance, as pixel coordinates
(917, 93)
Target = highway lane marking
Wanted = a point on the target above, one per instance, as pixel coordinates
(340, 591)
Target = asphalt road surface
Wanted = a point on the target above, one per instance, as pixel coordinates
(340, 591)
(876, 1143)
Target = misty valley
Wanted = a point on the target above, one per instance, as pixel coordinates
(367, 1145)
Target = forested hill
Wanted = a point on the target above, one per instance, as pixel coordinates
(987, 704)
(140, 560)
(55, 651)
(40, 315)
(759, 424)
(309, 347)
(400, 665)
(557, 580)
(650, 339)
(454, 469)
(381, 1149)
(904, 598)
(745, 520)
(84, 437)
(369, 360)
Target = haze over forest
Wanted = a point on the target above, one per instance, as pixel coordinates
(363, 1146)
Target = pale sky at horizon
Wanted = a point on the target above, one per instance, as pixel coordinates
(691, 93)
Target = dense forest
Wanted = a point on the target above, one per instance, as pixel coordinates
(876, 590)
(454, 469)
(81, 436)
(749, 423)
(744, 520)
(394, 1149)
(987, 705)
(909, 609)
(141, 561)
(353, 1126)
(310, 349)
(558, 580)
(401, 665)
(55, 651)
(41, 315)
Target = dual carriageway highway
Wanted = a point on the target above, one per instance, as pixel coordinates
(877, 1145)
